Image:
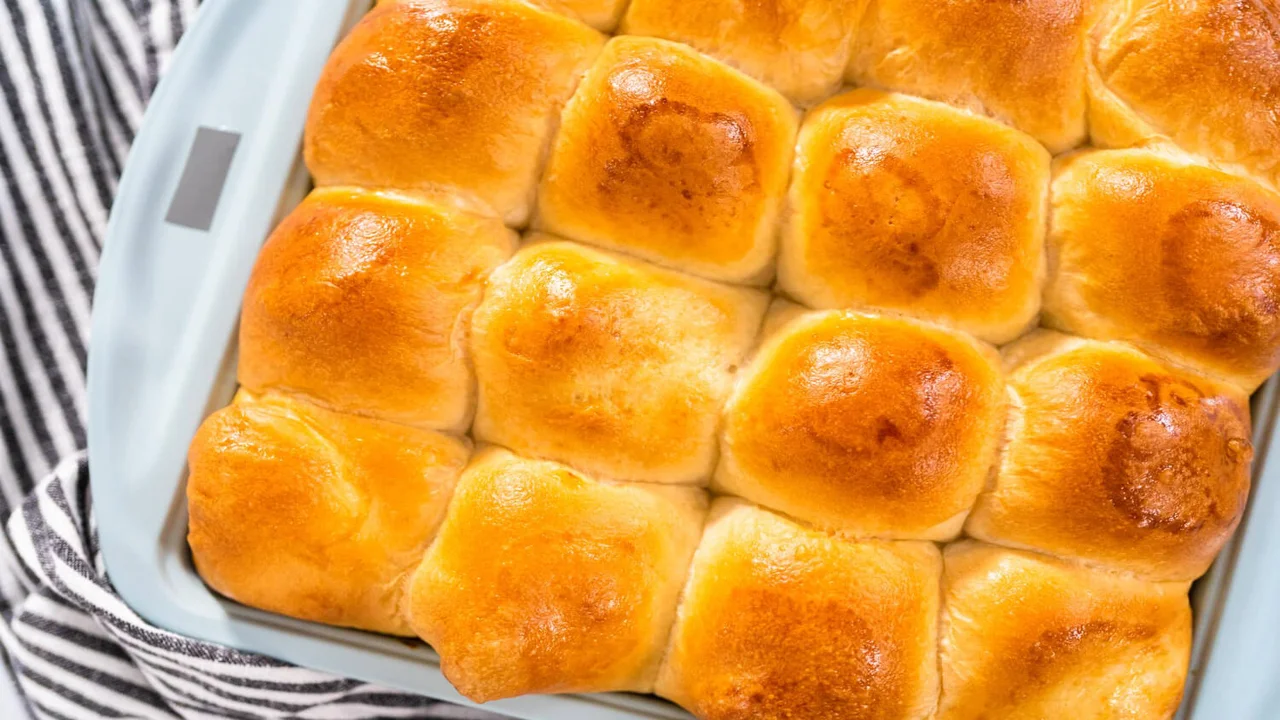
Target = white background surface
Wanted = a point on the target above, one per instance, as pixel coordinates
(11, 706)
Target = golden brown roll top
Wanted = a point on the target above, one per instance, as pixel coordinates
(867, 425)
(671, 156)
(543, 581)
(1117, 459)
(315, 514)
(1024, 636)
(915, 206)
(1205, 73)
(1180, 259)
(610, 365)
(451, 95)
(360, 301)
(1020, 62)
(602, 15)
(800, 47)
(779, 621)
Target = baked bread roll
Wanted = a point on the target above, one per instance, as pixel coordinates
(602, 15)
(615, 367)
(915, 206)
(1025, 636)
(780, 621)
(543, 581)
(1152, 462)
(867, 425)
(360, 301)
(315, 514)
(1180, 259)
(451, 95)
(1023, 63)
(1205, 73)
(671, 156)
(800, 47)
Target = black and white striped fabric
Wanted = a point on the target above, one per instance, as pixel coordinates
(75, 76)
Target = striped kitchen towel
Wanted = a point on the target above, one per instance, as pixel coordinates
(75, 76)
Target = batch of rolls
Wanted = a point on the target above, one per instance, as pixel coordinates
(785, 358)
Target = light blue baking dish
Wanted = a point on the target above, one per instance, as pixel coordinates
(216, 163)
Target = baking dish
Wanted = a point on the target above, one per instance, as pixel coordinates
(215, 165)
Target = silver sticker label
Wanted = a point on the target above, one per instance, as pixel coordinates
(196, 199)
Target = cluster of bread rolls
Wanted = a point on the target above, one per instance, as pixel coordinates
(600, 455)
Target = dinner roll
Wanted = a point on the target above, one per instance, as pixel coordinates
(543, 581)
(800, 47)
(1205, 73)
(780, 621)
(315, 514)
(1025, 636)
(668, 155)
(1181, 259)
(915, 206)
(1153, 463)
(868, 425)
(456, 95)
(1020, 62)
(360, 302)
(610, 365)
(600, 14)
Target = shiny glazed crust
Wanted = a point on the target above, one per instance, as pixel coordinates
(315, 514)
(602, 15)
(1024, 636)
(800, 47)
(610, 365)
(1205, 73)
(360, 301)
(668, 155)
(866, 425)
(448, 95)
(780, 621)
(1153, 462)
(568, 584)
(914, 206)
(1020, 62)
(1178, 258)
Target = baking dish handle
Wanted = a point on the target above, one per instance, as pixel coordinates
(202, 186)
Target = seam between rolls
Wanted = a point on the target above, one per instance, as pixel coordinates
(669, 645)
(941, 625)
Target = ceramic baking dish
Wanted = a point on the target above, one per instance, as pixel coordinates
(216, 164)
